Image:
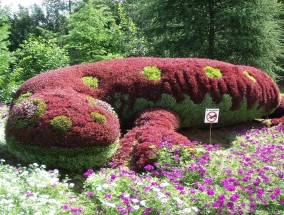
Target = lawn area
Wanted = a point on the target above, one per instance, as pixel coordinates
(246, 178)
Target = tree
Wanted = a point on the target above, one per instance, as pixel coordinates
(37, 55)
(57, 12)
(6, 56)
(93, 34)
(242, 32)
(24, 22)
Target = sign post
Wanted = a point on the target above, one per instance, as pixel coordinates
(211, 116)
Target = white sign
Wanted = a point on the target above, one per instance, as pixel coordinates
(211, 115)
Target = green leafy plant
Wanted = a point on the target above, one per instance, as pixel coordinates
(22, 97)
(98, 117)
(91, 81)
(74, 159)
(37, 55)
(212, 72)
(153, 73)
(61, 123)
(7, 85)
(249, 76)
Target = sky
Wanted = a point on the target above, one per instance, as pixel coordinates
(13, 4)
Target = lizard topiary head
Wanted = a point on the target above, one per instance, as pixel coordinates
(63, 130)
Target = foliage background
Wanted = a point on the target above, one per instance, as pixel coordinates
(241, 32)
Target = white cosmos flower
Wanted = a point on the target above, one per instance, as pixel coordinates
(105, 186)
(185, 211)
(195, 209)
(136, 207)
(164, 184)
(178, 200)
(165, 200)
(161, 195)
(156, 189)
(143, 203)
(109, 204)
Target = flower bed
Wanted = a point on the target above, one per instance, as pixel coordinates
(245, 178)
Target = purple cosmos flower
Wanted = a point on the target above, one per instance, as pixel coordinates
(89, 172)
(4, 115)
(251, 198)
(208, 181)
(210, 192)
(147, 210)
(108, 196)
(179, 187)
(230, 205)
(215, 205)
(264, 201)
(148, 167)
(65, 207)
(230, 187)
(122, 210)
(90, 194)
(76, 210)
(235, 197)
(29, 194)
(127, 201)
(113, 176)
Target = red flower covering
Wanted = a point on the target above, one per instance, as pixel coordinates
(139, 145)
(64, 92)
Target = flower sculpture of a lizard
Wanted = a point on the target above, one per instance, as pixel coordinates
(120, 110)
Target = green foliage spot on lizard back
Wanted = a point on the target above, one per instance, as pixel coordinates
(61, 123)
(153, 73)
(22, 97)
(91, 81)
(246, 73)
(98, 117)
(212, 72)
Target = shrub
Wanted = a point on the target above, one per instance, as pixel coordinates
(212, 72)
(250, 76)
(152, 73)
(98, 117)
(61, 123)
(75, 159)
(37, 55)
(91, 81)
(22, 97)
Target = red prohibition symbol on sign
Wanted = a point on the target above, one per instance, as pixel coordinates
(211, 116)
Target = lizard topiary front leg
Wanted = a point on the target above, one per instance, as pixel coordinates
(139, 145)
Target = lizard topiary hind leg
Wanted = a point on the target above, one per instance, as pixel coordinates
(139, 145)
